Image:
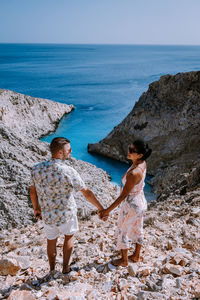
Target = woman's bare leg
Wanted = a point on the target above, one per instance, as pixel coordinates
(135, 257)
(123, 261)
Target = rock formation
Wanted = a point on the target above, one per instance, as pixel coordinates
(167, 116)
(23, 120)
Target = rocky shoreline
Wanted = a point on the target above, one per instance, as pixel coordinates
(167, 116)
(23, 120)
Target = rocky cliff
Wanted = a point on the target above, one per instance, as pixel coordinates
(23, 120)
(167, 116)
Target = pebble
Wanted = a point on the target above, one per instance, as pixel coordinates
(132, 269)
(176, 270)
(21, 295)
(111, 267)
(8, 267)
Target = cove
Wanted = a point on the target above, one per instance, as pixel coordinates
(79, 134)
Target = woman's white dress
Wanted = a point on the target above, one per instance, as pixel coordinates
(130, 221)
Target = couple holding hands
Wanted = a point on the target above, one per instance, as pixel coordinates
(51, 192)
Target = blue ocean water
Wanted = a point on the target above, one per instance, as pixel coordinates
(102, 81)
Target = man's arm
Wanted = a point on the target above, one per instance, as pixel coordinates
(88, 194)
(35, 202)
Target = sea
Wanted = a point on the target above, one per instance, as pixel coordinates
(103, 82)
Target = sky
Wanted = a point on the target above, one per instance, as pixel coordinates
(174, 22)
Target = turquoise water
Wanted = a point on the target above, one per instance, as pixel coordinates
(102, 81)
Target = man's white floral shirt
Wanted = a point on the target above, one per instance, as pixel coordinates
(55, 182)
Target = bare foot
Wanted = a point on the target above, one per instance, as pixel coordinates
(134, 258)
(66, 269)
(119, 262)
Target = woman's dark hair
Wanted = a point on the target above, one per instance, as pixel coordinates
(57, 144)
(142, 148)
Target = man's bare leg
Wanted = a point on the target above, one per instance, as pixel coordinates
(67, 251)
(123, 261)
(135, 257)
(51, 252)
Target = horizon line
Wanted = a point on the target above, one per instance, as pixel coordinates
(98, 44)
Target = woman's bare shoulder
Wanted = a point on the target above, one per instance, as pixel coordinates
(138, 171)
(141, 167)
(135, 175)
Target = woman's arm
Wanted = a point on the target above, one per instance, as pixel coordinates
(91, 198)
(131, 180)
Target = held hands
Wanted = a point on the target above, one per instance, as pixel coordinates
(38, 214)
(103, 214)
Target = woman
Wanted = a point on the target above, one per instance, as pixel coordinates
(130, 222)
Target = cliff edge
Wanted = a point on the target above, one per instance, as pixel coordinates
(167, 116)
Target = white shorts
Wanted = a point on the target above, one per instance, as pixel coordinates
(68, 228)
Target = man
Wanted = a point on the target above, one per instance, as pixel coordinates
(51, 192)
